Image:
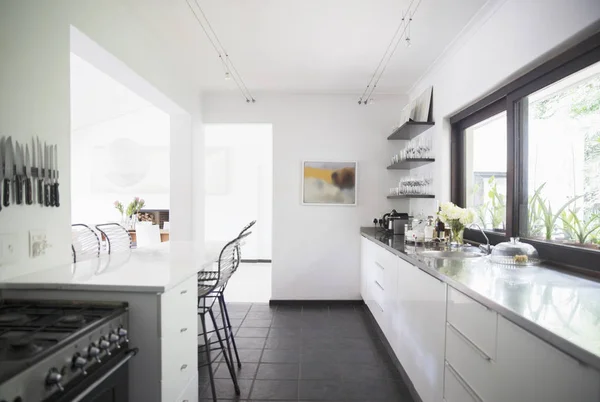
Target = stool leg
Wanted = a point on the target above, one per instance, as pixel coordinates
(227, 361)
(207, 348)
(228, 331)
(224, 309)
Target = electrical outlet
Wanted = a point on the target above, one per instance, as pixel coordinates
(8, 248)
(37, 243)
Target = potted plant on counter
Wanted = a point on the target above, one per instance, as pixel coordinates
(456, 218)
(581, 230)
(132, 210)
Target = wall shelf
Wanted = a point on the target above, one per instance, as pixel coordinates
(410, 130)
(407, 196)
(411, 163)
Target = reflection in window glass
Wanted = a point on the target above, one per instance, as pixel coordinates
(562, 145)
(486, 171)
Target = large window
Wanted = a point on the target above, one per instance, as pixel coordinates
(486, 171)
(561, 135)
(526, 158)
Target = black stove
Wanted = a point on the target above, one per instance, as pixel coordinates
(56, 350)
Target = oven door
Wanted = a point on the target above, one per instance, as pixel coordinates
(109, 384)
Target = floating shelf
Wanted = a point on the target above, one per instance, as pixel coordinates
(411, 163)
(410, 130)
(405, 196)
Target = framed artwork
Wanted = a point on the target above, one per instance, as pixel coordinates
(329, 183)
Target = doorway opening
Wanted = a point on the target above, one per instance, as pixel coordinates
(238, 190)
(121, 133)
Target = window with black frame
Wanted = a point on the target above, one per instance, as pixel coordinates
(526, 159)
(560, 126)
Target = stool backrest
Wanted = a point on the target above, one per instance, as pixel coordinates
(226, 265)
(117, 237)
(85, 243)
(247, 227)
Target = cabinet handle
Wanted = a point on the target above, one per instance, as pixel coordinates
(380, 266)
(380, 287)
(463, 383)
(183, 367)
(183, 330)
(183, 292)
(468, 341)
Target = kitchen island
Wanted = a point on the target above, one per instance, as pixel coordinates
(468, 329)
(160, 285)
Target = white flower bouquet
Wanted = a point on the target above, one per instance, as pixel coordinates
(456, 218)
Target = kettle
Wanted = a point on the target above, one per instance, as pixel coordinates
(386, 222)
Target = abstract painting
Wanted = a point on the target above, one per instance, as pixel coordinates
(329, 183)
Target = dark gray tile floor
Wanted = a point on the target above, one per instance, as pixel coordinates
(306, 353)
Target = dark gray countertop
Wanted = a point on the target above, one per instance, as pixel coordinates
(560, 308)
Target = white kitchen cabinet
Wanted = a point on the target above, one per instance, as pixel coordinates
(418, 334)
(532, 370)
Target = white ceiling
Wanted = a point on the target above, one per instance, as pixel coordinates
(321, 46)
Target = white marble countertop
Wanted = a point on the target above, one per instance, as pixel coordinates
(152, 270)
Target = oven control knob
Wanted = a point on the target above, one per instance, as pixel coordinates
(79, 363)
(114, 338)
(104, 345)
(122, 332)
(94, 352)
(53, 378)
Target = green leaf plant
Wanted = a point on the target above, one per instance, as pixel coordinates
(578, 229)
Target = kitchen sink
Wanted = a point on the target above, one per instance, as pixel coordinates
(451, 255)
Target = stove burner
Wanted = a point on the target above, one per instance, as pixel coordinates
(72, 319)
(19, 348)
(13, 318)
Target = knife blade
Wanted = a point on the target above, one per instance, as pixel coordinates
(40, 176)
(9, 173)
(56, 193)
(46, 176)
(28, 190)
(19, 173)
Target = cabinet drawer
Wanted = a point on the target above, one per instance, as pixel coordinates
(474, 320)
(190, 393)
(384, 259)
(379, 294)
(179, 362)
(474, 366)
(178, 307)
(455, 388)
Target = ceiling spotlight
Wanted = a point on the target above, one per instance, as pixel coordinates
(227, 76)
(371, 101)
(408, 43)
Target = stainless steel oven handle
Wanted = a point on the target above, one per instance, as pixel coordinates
(130, 353)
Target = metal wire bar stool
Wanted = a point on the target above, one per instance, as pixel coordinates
(210, 286)
(117, 237)
(221, 296)
(85, 243)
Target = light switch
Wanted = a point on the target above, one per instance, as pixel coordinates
(37, 243)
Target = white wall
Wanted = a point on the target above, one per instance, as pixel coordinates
(316, 248)
(239, 185)
(34, 99)
(120, 159)
(507, 37)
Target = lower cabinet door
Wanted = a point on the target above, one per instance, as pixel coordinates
(533, 370)
(419, 327)
(190, 393)
(455, 388)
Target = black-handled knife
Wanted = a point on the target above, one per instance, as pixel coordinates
(56, 195)
(6, 193)
(28, 189)
(47, 195)
(19, 189)
(40, 190)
